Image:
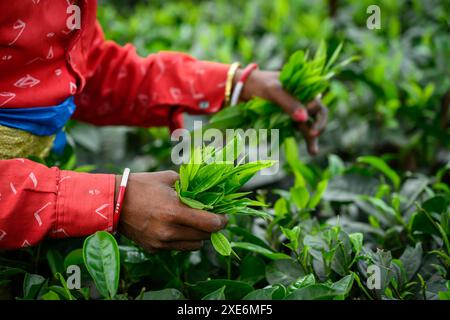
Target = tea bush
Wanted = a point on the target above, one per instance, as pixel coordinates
(376, 200)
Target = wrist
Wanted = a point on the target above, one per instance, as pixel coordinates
(242, 77)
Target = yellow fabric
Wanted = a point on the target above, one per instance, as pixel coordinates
(15, 143)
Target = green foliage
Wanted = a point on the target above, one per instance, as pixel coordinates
(333, 217)
(296, 256)
(303, 76)
(210, 180)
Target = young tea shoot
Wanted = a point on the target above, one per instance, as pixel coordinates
(304, 76)
(211, 180)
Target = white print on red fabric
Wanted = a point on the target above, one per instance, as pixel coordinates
(37, 213)
(32, 176)
(73, 88)
(18, 25)
(13, 189)
(35, 59)
(2, 234)
(26, 244)
(195, 95)
(64, 178)
(61, 230)
(50, 56)
(6, 97)
(103, 206)
(26, 82)
(7, 57)
(58, 72)
(94, 192)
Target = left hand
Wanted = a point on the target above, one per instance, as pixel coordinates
(266, 85)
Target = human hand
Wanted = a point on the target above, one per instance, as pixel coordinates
(266, 85)
(154, 218)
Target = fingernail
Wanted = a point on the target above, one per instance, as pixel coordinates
(223, 220)
(300, 115)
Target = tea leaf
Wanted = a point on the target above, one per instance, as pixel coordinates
(165, 294)
(315, 199)
(221, 244)
(102, 260)
(300, 195)
(218, 294)
(234, 290)
(382, 166)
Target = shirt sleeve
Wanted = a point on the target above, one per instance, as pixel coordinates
(38, 202)
(124, 88)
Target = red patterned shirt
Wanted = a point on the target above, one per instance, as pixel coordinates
(42, 62)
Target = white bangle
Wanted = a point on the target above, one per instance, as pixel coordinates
(240, 84)
(236, 93)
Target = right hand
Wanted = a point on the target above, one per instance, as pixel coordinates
(267, 85)
(153, 216)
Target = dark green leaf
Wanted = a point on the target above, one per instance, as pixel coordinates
(218, 294)
(283, 272)
(234, 290)
(165, 294)
(102, 260)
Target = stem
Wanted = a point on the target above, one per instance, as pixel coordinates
(438, 227)
(361, 286)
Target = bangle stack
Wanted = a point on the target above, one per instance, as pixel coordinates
(232, 99)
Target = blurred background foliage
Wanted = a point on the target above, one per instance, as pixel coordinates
(394, 101)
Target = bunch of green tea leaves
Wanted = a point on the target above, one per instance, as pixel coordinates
(304, 76)
(210, 181)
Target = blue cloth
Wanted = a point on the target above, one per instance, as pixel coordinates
(41, 121)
